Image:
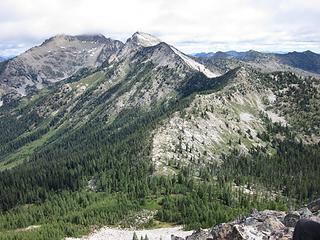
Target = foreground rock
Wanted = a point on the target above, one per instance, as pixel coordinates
(259, 225)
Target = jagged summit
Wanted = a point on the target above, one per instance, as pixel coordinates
(144, 39)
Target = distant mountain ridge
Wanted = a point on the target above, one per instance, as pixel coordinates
(307, 60)
(61, 56)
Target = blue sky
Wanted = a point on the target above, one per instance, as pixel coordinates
(192, 26)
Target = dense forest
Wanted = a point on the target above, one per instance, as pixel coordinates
(181, 199)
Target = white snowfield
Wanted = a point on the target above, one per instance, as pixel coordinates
(107, 233)
(195, 65)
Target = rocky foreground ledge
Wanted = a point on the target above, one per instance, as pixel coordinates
(259, 225)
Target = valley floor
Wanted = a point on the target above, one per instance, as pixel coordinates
(107, 233)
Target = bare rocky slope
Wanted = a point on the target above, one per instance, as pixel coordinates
(56, 59)
(235, 117)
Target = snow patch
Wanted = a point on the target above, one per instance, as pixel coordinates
(246, 117)
(195, 65)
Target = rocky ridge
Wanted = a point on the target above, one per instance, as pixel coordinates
(234, 117)
(305, 63)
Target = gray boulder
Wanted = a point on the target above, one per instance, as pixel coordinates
(173, 237)
(291, 219)
(314, 206)
(305, 212)
(200, 235)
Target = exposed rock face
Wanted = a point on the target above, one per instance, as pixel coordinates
(314, 206)
(176, 238)
(57, 58)
(258, 225)
(291, 219)
(200, 234)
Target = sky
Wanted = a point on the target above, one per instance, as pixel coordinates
(190, 25)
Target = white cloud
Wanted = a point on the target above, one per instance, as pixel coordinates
(191, 25)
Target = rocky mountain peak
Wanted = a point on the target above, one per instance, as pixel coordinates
(55, 59)
(144, 39)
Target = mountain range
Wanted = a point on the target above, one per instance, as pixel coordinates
(306, 61)
(104, 130)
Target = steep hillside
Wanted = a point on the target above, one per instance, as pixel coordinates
(236, 117)
(308, 61)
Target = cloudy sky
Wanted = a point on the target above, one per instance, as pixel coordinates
(191, 25)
